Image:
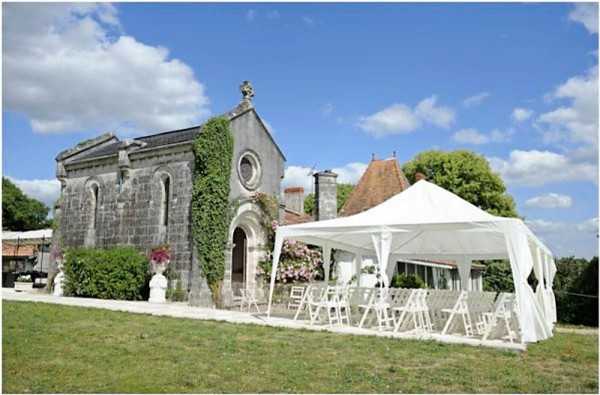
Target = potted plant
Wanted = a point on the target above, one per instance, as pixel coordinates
(160, 257)
(23, 283)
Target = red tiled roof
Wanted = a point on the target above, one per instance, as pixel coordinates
(291, 217)
(294, 190)
(382, 180)
(23, 250)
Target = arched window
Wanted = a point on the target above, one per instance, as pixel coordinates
(166, 186)
(94, 188)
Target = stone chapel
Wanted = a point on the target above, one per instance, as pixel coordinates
(138, 192)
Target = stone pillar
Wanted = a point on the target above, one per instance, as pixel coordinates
(226, 288)
(464, 272)
(200, 294)
(325, 195)
(56, 244)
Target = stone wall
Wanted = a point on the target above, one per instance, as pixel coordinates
(130, 214)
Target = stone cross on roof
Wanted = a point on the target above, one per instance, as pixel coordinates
(247, 90)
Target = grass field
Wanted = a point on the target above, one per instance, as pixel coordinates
(51, 348)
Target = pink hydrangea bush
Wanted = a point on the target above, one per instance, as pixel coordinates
(298, 262)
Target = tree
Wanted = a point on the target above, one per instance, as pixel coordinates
(20, 212)
(343, 192)
(576, 291)
(466, 174)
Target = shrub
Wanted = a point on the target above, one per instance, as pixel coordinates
(402, 280)
(114, 273)
(297, 263)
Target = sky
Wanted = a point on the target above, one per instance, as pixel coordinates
(335, 83)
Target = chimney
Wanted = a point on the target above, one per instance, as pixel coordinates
(420, 176)
(293, 199)
(325, 195)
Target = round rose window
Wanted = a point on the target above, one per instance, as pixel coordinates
(249, 170)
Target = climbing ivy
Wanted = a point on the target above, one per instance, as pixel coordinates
(213, 151)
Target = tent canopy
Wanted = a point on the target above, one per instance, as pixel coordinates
(427, 221)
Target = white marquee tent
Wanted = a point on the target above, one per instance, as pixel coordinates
(428, 222)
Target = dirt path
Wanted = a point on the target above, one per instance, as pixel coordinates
(579, 331)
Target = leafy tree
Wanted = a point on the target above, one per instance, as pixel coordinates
(343, 192)
(466, 174)
(498, 277)
(20, 212)
(576, 291)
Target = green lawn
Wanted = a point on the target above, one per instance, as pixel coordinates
(50, 348)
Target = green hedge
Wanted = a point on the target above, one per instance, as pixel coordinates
(115, 273)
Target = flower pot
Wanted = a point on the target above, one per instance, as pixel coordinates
(23, 286)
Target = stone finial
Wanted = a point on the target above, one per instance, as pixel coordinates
(247, 90)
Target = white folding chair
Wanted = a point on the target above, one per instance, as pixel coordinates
(503, 310)
(248, 299)
(296, 296)
(460, 308)
(415, 307)
(335, 301)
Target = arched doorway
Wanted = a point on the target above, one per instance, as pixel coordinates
(239, 256)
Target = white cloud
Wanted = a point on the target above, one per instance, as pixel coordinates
(534, 168)
(473, 136)
(395, 119)
(68, 67)
(521, 114)
(350, 173)
(568, 239)
(400, 119)
(544, 226)
(577, 122)
(327, 109)
(308, 20)
(440, 116)
(589, 226)
(46, 191)
(475, 100)
(250, 15)
(470, 136)
(550, 200)
(301, 176)
(586, 14)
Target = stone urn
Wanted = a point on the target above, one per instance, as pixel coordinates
(158, 283)
(58, 281)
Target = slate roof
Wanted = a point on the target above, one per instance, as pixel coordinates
(151, 141)
(159, 139)
(383, 179)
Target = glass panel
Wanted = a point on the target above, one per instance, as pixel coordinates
(246, 169)
(401, 267)
(410, 268)
(421, 271)
(430, 277)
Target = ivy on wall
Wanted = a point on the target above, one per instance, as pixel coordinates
(213, 151)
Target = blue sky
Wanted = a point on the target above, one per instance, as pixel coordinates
(517, 83)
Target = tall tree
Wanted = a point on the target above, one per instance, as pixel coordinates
(20, 212)
(343, 192)
(466, 174)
